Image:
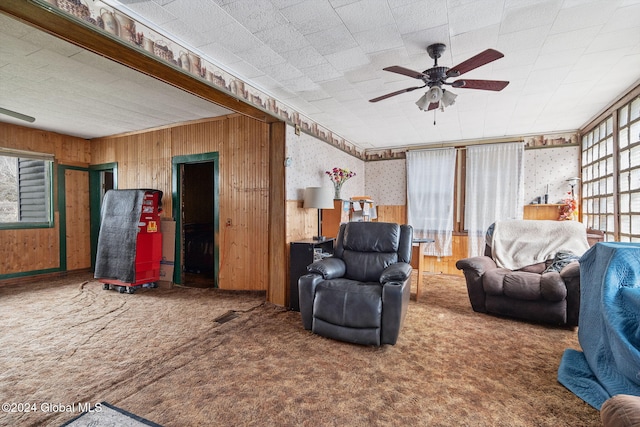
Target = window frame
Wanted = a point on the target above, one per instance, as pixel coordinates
(614, 125)
(49, 189)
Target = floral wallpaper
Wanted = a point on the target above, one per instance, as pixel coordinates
(310, 157)
(552, 167)
(387, 182)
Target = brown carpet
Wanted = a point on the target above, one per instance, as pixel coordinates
(186, 357)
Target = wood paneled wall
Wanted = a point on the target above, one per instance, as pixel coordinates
(28, 250)
(392, 213)
(242, 143)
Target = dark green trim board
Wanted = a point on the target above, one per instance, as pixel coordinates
(95, 201)
(176, 194)
(28, 273)
(62, 211)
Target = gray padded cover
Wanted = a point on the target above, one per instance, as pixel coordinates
(116, 252)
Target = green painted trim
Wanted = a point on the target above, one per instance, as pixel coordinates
(62, 218)
(25, 225)
(28, 273)
(95, 202)
(62, 211)
(176, 179)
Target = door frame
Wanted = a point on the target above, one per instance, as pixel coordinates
(95, 202)
(176, 193)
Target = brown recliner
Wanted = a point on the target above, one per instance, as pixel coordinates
(547, 291)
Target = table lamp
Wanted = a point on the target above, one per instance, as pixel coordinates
(318, 198)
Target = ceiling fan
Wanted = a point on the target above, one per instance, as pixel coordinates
(436, 76)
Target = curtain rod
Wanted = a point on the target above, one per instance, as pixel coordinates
(461, 144)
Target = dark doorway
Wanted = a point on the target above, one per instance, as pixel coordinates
(102, 178)
(198, 219)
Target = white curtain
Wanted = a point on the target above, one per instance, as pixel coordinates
(494, 189)
(430, 179)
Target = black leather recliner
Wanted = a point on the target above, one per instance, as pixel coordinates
(361, 293)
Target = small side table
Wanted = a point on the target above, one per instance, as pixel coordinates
(417, 259)
(301, 254)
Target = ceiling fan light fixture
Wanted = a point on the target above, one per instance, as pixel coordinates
(423, 102)
(448, 98)
(434, 94)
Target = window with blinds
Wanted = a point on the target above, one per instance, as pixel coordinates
(25, 190)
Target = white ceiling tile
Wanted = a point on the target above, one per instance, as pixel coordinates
(283, 71)
(416, 42)
(198, 15)
(304, 57)
(322, 72)
(626, 38)
(301, 84)
(379, 39)
(623, 17)
(419, 15)
(584, 15)
(531, 38)
(261, 56)
(246, 71)
(283, 38)
(218, 54)
(331, 40)
(311, 16)
(365, 15)
(474, 15)
(264, 19)
(528, 15)
(242, 39)
(580, 38)
(557, 60)
(473, 42)
(348, 59)
(313, 95)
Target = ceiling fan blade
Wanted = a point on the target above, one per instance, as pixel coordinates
(433, 106)
(474, 62)
(398, 92)
(480, 84)
(405, 71)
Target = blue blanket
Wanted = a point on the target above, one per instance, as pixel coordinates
(609, 326)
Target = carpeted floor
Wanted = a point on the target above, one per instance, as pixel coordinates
(186, 357)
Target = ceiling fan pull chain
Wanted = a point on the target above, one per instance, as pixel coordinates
(434, 116)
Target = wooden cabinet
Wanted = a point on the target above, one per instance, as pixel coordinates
(356, 209)
(550, 211)
(332, 218)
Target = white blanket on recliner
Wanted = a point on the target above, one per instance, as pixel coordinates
(519, 243)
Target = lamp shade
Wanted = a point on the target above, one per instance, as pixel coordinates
(318, 198)
(423, 102)
(434, 94)
(573, 181)
(448, 98)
